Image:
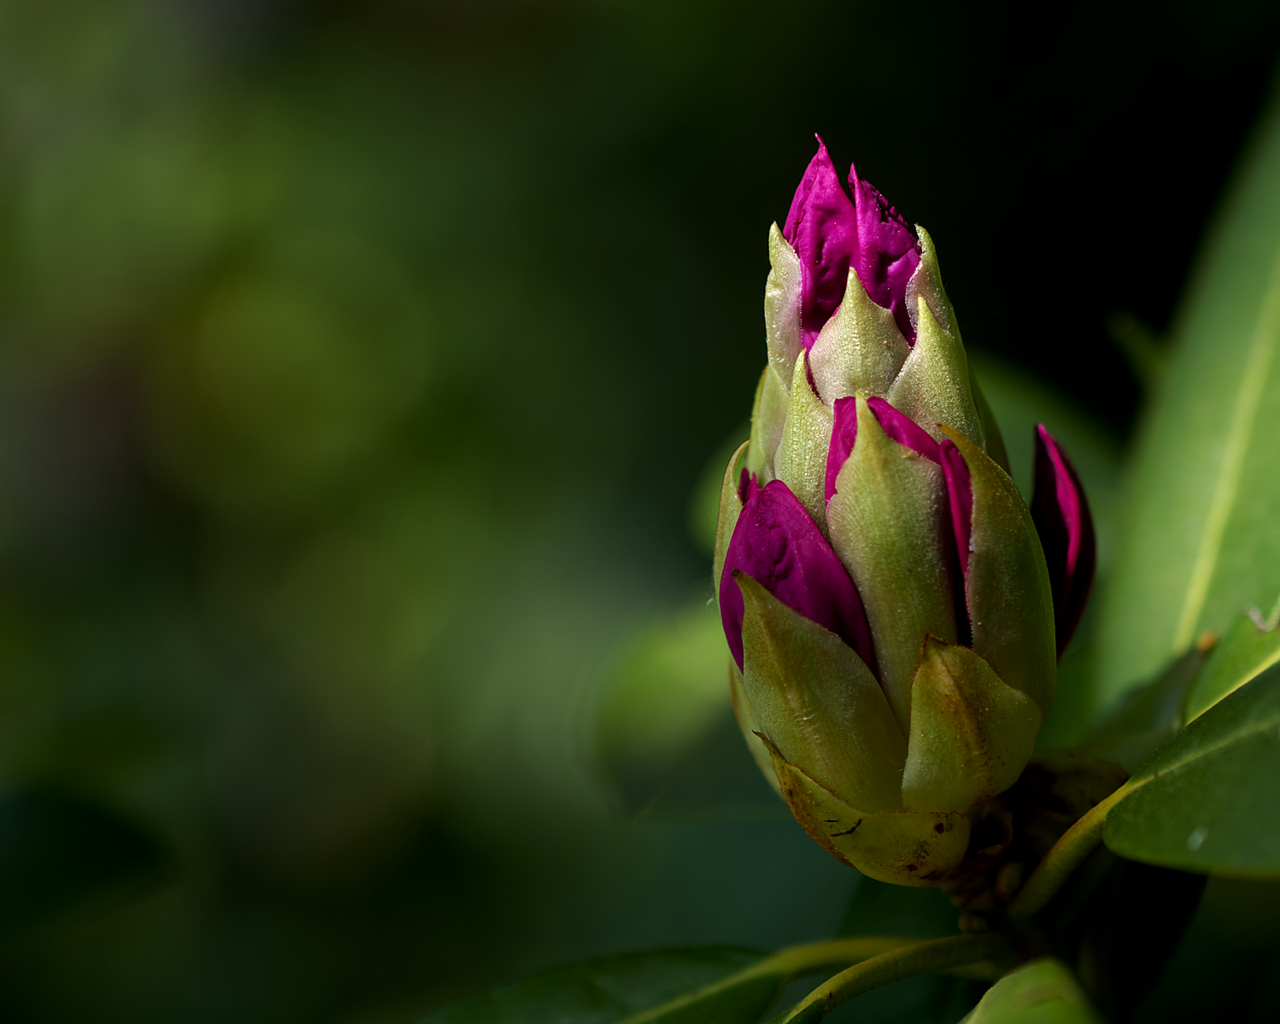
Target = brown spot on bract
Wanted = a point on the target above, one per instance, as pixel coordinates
(939, 828)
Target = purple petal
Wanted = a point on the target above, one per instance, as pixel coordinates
(960, 493)
(903, 429)
(887, 253)
(778, 545)
(1061, 514)
(897, 425)
(844, 431)
(822, 228)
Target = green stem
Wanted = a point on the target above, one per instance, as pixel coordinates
(1075, 845)
(782, 967)
(921, 958)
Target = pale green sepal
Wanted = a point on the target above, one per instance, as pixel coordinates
(1007, 586)
(1249, 648)
(801, 460)
(990, 428)
(971, 733)
(814, 699)
(750, 729)
(902, 848)
(730, 507)
(933, 386)
(926, 284)
(768, 419)
(859, 349)
(782, 305)
(1041, 992)
(886, 521)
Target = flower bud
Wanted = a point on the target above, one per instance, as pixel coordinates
(883, 589)
(1061, 515)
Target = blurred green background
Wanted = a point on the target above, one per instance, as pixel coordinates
(358, 363)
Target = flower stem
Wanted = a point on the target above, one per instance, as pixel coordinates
(931, 957)
(782, 967)
(1066, 855)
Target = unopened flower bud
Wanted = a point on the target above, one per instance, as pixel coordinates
(1061, 514)
(883, 588)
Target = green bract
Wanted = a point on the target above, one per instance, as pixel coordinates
(887, 714)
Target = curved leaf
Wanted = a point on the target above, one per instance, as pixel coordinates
(1198, 542)
(1209, 799)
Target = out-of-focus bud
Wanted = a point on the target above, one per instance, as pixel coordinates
(883, 589)
(1061, 515)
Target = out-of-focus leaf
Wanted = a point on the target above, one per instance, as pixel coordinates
(1149, 717)
(704, 502)
(1122, 937)
(877, 908)
(667, 736)
(620, 987)
(1209, 799)
(1041, 992)
(1243, 653)
(56, 850)
(1199, 539)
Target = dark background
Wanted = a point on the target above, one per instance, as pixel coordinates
(357, 362)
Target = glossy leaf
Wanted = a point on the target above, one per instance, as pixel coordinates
(1041, 992)
(1246, 651)
(1209, 799)
(618, 988)
(1198, 541)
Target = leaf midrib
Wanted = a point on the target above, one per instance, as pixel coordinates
(1227, 485)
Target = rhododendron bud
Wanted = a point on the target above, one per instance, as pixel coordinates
(1062, 518)
(883, 589)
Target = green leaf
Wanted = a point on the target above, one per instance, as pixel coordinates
(1041, 992)
(1209, 799)
(1243, 653)
(1197, 543)
(1147, 718)
(623, 988)
(875, 908)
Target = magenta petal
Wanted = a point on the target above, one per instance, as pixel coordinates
(960, 493)
(903, 429)
(844, 431)
(778, 545)
(1061, 514)
(822, 228)
(887, 253)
